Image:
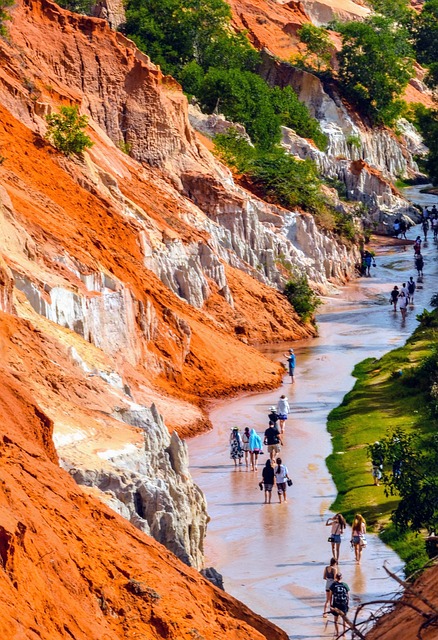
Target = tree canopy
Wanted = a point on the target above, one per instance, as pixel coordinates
(375, 66)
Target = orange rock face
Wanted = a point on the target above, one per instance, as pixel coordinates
(71, 568)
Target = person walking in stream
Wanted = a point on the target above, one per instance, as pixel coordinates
(359, 529)
(273, 416)
(291, 360)
(236, 446)
(338, 524)
(283, 409)
(267, 483)
(411, 290)
(329, 576)
(245, 444)
(273, 441)
(394, 297)
(255, 448)
(425, 227)
(340, 600)
(403, 304)
(281, 478)
(419, 264)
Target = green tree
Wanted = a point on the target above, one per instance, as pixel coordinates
(303, 299)
(319, 47)
(375, 66)
(411, 472)
(66, 131)
(427, 122)
(77, 6)
(4, 15)
(243, 97)
(425, 29)
(295, 115)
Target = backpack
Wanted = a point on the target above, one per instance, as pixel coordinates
(340, 595)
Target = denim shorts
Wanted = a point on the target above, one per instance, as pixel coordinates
(336, 538)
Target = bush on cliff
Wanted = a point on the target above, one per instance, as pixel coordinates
(4, 15)
(303, 299)
(66, 131)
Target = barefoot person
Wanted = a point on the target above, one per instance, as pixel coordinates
(403, 304)
(268, 480)
(329, 576)
(394, 297)
(273, 441)
(236, 448)
(359, 529)
(339, 601)
(255, 447)
(245, 444)
(283, 409)
(338, 524)
(281, 476)
(291, 360)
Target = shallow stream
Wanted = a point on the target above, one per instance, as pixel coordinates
(272, 556)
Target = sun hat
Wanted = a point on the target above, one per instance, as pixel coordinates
(272, 408)
(234, 428)
(291, 350)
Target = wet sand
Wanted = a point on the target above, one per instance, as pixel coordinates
(272, 556)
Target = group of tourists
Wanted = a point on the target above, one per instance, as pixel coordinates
(246, 447)
(337, 591)
(403, 296)
(429, 220)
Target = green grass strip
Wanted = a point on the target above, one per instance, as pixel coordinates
(378, 403)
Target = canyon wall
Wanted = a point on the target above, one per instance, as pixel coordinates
(142, 280)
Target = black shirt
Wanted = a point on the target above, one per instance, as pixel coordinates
(272, 435)
(268, 475)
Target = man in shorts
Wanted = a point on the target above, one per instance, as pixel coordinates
(273, 440)
(291, 360)
(340, 599)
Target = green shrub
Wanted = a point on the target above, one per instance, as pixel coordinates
(295, 115)
(303, 299)
(77, 6)
(4, 15)
(319, 47)
(66, 131)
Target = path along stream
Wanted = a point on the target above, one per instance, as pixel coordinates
(272, 556)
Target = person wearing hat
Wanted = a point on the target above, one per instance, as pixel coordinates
(236, 447)
(283, 409)
(273, 416)
(291, 364)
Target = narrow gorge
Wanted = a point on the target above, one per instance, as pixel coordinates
(138, 281)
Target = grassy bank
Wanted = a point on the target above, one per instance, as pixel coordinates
(381, 400)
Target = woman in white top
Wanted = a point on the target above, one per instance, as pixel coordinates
(283, 409)
(338, 524)
(281, 475)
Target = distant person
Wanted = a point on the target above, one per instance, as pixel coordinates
(394, 297)
(359, 529)
(283, 409)
(273, 440)
(411, 289)
(273, 415)
(434, 227)
(425, 227)
(434, 211)
(368, 258)
(268, 476)
(403, 228)
(396, 228)
(339, 601)
(329, 576)
(404, 289)
(425, 213)
(417, 246)
(236, 447)
(281, 476)
(419, 264)
(255, 448)
(403, 304)
(338, 524)
(377, 463)
(291, 360)
(245, 444)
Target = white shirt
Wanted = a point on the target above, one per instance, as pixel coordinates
(283, 406)
(280, 477)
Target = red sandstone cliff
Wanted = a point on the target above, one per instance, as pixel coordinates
(71, 568)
